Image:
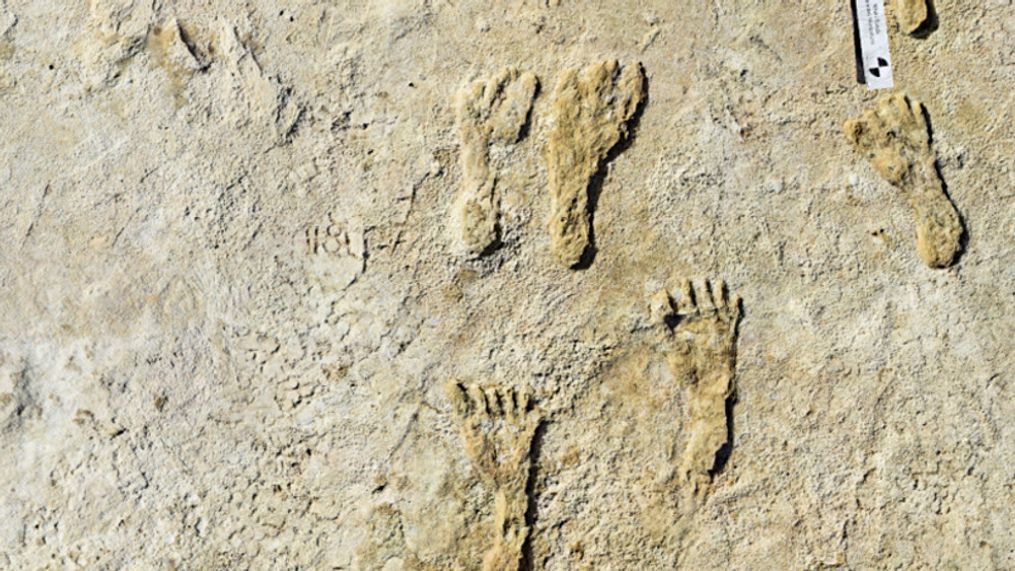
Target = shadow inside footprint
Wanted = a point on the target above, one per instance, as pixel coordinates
(531, 514)
(964, 233)
(722, 456)
(930, 25)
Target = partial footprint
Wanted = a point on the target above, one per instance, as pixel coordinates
(171, 51)
(489, 112)
(895, 137)
(592, 110)
(8, 23)
(701, 333)
(248, 94)
(497, 426)
(913, 15)
(114, 35)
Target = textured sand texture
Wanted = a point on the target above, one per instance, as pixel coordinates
(505, 284)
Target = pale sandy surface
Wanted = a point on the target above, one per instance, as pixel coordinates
(230, 302)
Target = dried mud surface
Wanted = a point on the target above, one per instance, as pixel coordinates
(286, 286)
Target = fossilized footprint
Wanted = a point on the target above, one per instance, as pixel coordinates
(497, 426)
(489, 112)
(895, 137)
(701, 335)
(912, 15)
(592, 109)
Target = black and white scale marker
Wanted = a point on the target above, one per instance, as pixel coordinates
(870, 30)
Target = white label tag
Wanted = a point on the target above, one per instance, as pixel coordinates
(873, 30)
